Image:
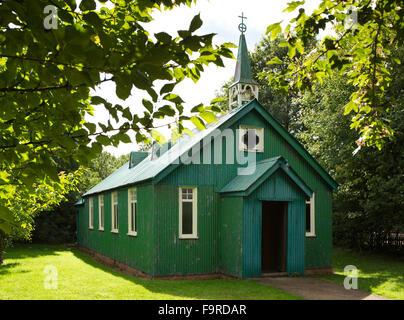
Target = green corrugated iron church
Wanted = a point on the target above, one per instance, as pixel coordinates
(241, 198)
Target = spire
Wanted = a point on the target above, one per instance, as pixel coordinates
(244, 87)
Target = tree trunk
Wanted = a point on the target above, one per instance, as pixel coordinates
(1, 256)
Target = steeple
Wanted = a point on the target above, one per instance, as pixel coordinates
(244, 87)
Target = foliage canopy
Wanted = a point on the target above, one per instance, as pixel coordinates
(47, 75)
(363, 35)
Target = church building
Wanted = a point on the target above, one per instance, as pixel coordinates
(241, 198)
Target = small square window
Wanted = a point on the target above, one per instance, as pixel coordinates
(251, 139)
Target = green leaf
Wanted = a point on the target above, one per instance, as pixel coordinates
(87, 5)
(98, 100)
(148, 105)
(198, 108)
(168, 87)
(173, 98)
(104, 140)
(218, 99)
(196, 23)
(123, 137)
(158, 137)
(198, 123)
(275, 60)
(6, 219)
(293, 5)
(274, 29)
(91, 127)
(167, 110)
(163, 37)
(123, 85)
(349, 106)
(208, 116)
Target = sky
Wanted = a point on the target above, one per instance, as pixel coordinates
(218, 16)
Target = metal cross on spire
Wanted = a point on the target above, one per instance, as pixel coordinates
(242, 27)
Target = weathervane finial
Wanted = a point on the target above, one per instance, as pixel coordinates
(242, 27)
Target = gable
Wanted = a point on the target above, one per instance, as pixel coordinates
(278, 142)
(244, 185)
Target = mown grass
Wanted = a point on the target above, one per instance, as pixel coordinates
(378, 274)
(81, 277)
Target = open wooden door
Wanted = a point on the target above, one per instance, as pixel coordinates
(274, 230)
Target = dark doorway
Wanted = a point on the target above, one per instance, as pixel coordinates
(274, 236)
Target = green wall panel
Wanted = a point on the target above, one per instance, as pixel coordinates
(137, 252)
(187, 256)
(231, 210)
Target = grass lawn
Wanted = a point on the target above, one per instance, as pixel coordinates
(379, 274)
(81, 277)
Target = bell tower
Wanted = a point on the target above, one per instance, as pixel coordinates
(244, 88)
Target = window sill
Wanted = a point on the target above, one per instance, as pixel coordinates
(188, 237)
(310, 235)
(252, 151)
(132, 234)
(91, 228)
(114, 231)
(99, 229)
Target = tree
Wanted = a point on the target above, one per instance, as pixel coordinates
(58, 224)
(369, 203)
(23, 207)
(269, 56)
(49, 64)
(360, 44)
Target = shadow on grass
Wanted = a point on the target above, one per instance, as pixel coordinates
(7, 268)
(194, 289)
(23, 251)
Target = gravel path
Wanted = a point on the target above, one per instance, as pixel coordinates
(317, 289)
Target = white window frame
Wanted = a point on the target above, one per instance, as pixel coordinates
(130, 201)
(312, 232)
(259, 132)
(91, 213)
(194, 201)
(101, 212)
(114, 230)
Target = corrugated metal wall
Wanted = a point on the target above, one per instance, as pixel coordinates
(231, 213)
(295, 237)
(318, 250)
(138, 252)
(279, 187)
(187, 256)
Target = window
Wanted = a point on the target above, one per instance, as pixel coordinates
(310, 217)
(188, 213)
(132, 212)
(114, 211)
(91, 213)
(101, 212)
(251, 139)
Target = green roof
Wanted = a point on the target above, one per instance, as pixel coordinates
(243, 68)
(136, 157)
(156, 169)
(80, 202)
(244, 185)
